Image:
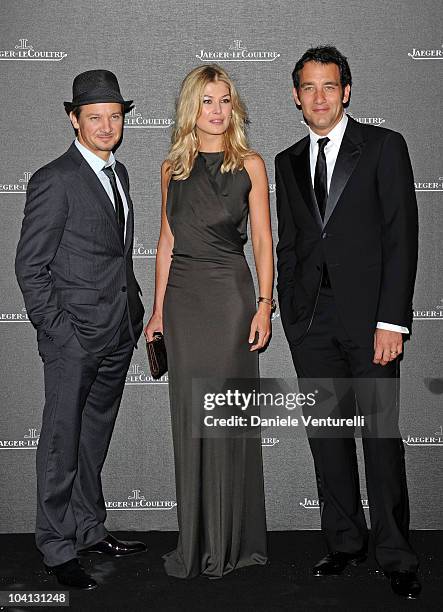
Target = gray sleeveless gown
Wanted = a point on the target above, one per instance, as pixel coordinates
(208, 308)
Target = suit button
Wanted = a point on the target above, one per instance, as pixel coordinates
(324, 235)
(124, 289)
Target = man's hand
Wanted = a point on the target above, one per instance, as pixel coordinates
(388, 345)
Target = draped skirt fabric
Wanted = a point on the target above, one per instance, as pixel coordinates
(208, 309)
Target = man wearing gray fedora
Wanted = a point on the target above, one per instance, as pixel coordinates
(74, 267)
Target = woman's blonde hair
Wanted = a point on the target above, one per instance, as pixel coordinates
(184, 148)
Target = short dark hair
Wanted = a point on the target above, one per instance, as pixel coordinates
(325, 55)
(76, 111)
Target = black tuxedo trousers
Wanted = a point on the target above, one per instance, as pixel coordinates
(328, 352)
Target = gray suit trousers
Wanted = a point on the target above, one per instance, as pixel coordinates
(82, 396)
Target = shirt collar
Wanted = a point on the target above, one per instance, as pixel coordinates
(96, 162)
(335, 135)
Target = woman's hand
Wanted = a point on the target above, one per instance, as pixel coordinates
(155, 324)
(261, 324)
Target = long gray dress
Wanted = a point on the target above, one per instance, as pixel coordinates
(208, 308)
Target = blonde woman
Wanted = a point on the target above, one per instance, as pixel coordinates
(205, 306)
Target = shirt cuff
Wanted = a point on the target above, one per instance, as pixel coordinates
(391, 327)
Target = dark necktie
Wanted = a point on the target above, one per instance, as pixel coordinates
(119, 210)
(320, 177)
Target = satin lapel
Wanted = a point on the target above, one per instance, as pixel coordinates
(347, 160)
(302, 171)
(130, 219)
(94, 184)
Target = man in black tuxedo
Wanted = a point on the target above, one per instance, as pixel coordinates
(347, 256)
(74, 267)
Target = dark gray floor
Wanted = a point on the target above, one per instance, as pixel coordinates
(139, 582)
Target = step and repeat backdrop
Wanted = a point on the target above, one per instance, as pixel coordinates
(396, 55)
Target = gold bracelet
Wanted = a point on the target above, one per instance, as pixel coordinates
(270, 301)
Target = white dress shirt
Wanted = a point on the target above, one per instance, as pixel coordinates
(331, 152)
(331, 149)
(97, 164)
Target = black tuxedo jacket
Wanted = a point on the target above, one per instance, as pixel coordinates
(368, 239)
(74, 272)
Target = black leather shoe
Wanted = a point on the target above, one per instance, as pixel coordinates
(72, 574)
(115, 548)
(405, 584)
(335, 562)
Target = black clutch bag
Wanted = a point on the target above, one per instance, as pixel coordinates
(156, 350)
